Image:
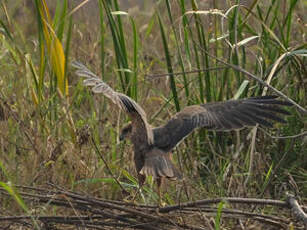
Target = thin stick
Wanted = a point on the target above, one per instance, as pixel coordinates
(303, 134)
(124, 191)
(227, 199)
(304, 111)
(103, 212)
(153, 76)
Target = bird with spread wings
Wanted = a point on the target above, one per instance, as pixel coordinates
(152, 146)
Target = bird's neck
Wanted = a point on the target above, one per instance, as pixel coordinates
(139, 136)
(139, 141)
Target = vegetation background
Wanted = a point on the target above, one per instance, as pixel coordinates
(50, 125)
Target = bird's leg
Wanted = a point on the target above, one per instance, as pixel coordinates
(141, 179)
(159, 181)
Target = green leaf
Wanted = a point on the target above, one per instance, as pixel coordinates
(119, 13)
(14, 194)
(241, 89)
(219, 215)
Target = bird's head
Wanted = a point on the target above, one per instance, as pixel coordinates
(126, 132)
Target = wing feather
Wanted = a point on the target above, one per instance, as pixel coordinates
(133, 109)
(220, 116)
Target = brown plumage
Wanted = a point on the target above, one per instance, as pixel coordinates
(152, 146)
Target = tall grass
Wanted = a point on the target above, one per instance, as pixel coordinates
(177, 36)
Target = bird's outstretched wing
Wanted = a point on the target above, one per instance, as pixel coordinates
(127, 104)
(220, 116)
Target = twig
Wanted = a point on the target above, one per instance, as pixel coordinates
(245, 214)
(23, 126)
(226, 199)
(98, 213)
(303, 134)
(296, 209)
(124, 191)
(274, 170)
(150, 76)
(303, 110)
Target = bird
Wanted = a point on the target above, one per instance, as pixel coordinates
(153, 145)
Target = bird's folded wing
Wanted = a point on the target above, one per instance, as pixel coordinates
(126, 103)
(220, 116)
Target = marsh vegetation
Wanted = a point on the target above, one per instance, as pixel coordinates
(165, 55)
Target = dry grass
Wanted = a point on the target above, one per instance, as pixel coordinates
(40, 129)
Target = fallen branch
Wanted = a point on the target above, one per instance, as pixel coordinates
(296, 209)
(237, 200)
(94, 213)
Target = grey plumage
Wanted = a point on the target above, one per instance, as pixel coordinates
(219, 116)
(152, 146)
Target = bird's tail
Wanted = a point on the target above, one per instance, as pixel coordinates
(159, 164)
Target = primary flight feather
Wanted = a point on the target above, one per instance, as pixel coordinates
(152, 146)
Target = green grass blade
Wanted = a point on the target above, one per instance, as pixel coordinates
(60, 24)
(136, 45)
(67, 49)
(288, 21)
(102, 40)
(169, 65)
(7, 32)
(204, 61)
(178, 47)
(218, 216)
(15, 195)
(118, 39)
